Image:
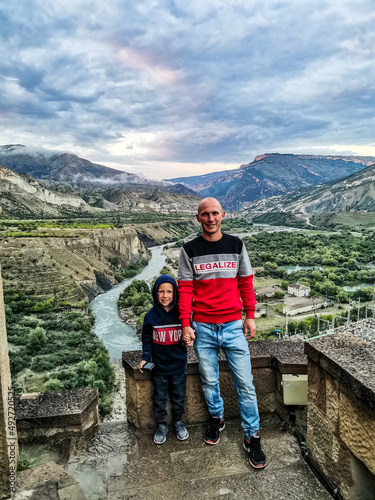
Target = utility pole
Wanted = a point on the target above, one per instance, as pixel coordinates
(359, 305)
(286, 321)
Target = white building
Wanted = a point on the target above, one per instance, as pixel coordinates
(299, 290)
(307, 305)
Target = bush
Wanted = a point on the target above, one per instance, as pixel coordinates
(54, 384)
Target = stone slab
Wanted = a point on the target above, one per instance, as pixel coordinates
(30, 479)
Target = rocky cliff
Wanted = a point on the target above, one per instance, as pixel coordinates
(68, 267)
(73, 264)
(23, 196)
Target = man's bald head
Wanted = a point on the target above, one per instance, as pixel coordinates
(210, 214)
(209, 201)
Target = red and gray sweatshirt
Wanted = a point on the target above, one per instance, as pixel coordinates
(215, 281)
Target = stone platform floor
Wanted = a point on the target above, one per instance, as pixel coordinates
(122, 463)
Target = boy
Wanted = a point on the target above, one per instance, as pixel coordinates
(162, 344)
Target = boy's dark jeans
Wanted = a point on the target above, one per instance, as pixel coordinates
(175, 385)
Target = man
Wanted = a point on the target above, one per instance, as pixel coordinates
(215, 281)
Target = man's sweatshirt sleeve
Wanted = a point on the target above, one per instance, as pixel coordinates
(185, 288)
(245, 284)
(147, 329)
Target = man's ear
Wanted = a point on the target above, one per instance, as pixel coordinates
(223, 215)
(197, 217)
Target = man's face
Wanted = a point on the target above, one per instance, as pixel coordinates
(210, 216)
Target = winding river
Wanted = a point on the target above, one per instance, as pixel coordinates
(116, 335)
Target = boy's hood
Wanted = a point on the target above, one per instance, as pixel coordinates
(164, 278)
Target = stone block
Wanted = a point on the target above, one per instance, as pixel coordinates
(264, 380)
(357, 430)
(229, 395)
(195, 405)
(332, 402)
(266, 402)
(316, 386)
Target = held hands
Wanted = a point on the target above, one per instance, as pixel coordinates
(188, 335)
(141, 365)
(249, 328)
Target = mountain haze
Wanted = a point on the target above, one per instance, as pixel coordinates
(271, 175)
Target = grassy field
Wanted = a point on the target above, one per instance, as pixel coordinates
(265, 281)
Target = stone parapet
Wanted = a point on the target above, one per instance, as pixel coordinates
(56, 413)
(269, 360)
(341, 412)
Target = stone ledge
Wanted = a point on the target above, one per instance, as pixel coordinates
(349, 359)
(54, 404)
(56, 413)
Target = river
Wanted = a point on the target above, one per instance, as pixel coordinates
(116, 335)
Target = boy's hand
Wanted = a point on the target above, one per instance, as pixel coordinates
(249, 326)
(188, 335)
(141, 365)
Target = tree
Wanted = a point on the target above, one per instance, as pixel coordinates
(37, 338)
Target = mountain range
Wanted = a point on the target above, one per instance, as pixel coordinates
(66, 180)
(354, 193)
(43, 183)
(66, 168)
(271, 175)
(23, 196)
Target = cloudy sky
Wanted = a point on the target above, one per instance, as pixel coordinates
(174, 87)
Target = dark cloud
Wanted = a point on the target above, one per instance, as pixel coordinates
(142, 83)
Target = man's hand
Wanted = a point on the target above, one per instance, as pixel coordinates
(188, 335)
(249, 328)
(141, 365)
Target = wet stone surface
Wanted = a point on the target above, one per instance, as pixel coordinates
(121, 462)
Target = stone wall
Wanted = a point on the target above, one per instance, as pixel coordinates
(8, 434)
(270, 359)
(341, 412)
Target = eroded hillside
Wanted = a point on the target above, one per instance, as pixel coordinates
(73, 264)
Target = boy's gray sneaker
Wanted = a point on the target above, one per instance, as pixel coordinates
(161, 434)
(181, 431)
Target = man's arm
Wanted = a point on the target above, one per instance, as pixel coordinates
(185, 296)
(246, 288)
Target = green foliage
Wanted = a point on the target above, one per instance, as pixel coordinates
(54, 384)
(46, 306)
(132, 270)
(345, 252)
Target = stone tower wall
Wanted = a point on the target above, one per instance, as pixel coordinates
(8, 432)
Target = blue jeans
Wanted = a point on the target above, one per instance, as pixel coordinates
(209, 338)
(175, 386)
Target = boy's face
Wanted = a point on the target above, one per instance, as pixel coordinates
(165, 295)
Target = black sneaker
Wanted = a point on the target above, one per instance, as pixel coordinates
(257, 458)
(212, 435)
